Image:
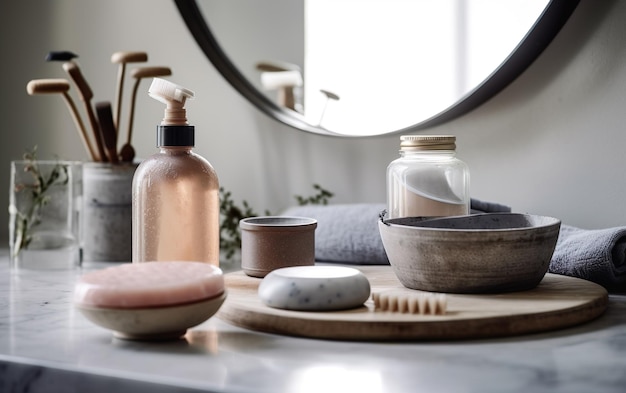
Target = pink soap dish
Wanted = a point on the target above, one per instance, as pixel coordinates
(150, 301)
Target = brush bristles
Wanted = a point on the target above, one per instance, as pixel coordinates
(411, 303)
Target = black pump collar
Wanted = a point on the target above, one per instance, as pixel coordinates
(175, 135)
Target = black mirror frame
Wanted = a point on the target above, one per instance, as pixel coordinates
(541, 34)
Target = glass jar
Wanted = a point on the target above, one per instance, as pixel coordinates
(428, 180)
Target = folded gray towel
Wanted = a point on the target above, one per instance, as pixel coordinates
(597, 255)
(477, 206)
(349, 233)
(345, 233)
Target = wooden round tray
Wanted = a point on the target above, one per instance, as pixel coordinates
(557, 302)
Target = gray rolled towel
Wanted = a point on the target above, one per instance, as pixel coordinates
(349, 234)
(597, 255)
(345, 233)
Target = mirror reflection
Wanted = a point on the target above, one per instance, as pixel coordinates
(369, 67)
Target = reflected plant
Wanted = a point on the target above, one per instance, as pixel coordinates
(26, 220)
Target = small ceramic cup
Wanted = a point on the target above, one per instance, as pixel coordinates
(272, 242)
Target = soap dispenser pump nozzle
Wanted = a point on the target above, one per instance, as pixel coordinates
(174, 97)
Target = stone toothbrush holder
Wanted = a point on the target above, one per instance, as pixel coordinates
(107, 211)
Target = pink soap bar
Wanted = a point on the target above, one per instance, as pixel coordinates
(149, 284)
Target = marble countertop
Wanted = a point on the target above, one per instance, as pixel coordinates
(47, 346)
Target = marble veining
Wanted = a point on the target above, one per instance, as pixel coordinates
(47, 346)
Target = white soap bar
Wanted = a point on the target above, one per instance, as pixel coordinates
(314, 288)
(149, 284)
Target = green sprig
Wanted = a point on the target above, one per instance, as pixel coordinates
(231, 214)
(321, 198)
(28, 220)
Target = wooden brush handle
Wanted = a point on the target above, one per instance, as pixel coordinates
(47, 86)
(107, 128)
(83, 87)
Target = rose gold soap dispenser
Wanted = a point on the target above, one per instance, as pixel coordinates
(175, 191)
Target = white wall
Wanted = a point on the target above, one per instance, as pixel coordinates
(551, 143)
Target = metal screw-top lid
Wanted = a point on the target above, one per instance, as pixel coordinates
(427, 142)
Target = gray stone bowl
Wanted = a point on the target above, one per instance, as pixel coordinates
(482, 253)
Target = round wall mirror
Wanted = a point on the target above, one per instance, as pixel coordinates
(355, 68)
